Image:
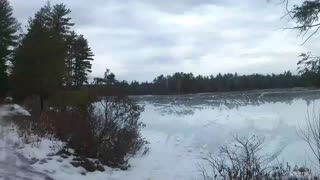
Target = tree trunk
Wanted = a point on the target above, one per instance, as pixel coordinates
(41, 103)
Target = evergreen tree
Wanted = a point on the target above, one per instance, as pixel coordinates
(60, 21)
(305, 15)
(70, 42)
(40, 59)
(8, 39)
(82, 57)
(109, 77)
(61, 24)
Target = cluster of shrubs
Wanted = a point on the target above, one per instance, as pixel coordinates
(107, 128)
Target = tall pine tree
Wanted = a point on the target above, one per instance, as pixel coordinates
(78, 52)
(70, 42)
(8, 39)
(61, 24)
(40, 59)
(81, 64)
(60, 21)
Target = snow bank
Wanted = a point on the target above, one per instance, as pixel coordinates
(16, 109)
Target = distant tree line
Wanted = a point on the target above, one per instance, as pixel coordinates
(183, 83)
(51, 57)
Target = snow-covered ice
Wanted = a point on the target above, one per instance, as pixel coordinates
(183, 129)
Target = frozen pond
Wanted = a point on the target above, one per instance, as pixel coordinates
(183, 129)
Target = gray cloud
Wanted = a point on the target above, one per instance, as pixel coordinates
(140, 39)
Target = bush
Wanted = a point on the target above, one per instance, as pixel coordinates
(70, 98)
(117, 130)
(244, 160)
(108, 130)
(239, 161)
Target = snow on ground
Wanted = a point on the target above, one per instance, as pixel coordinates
(169, 158)
(13, 165)
(179, 135)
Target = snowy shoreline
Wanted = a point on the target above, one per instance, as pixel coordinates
(181, 134)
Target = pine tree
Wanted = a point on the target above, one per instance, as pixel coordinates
(40, 59)
(81, 64)
(61, 24)
(70, 42)
(60, 20)
(8, 39)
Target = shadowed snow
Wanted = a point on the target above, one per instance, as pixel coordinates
(13, 165)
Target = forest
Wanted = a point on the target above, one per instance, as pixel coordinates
(187, 83)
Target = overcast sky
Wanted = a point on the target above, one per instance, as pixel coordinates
(141, 39)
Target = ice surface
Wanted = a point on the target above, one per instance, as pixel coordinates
(183, 129)
(207, 121)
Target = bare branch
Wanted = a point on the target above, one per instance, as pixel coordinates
(311, 35)
(311, 134)
(287, 8)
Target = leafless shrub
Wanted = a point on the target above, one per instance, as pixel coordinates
(108, 130)
(117, 129)
(244, 160)
(31, 129)
(311, 134)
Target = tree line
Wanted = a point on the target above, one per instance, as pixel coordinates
(51, 56)
(184, 83)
